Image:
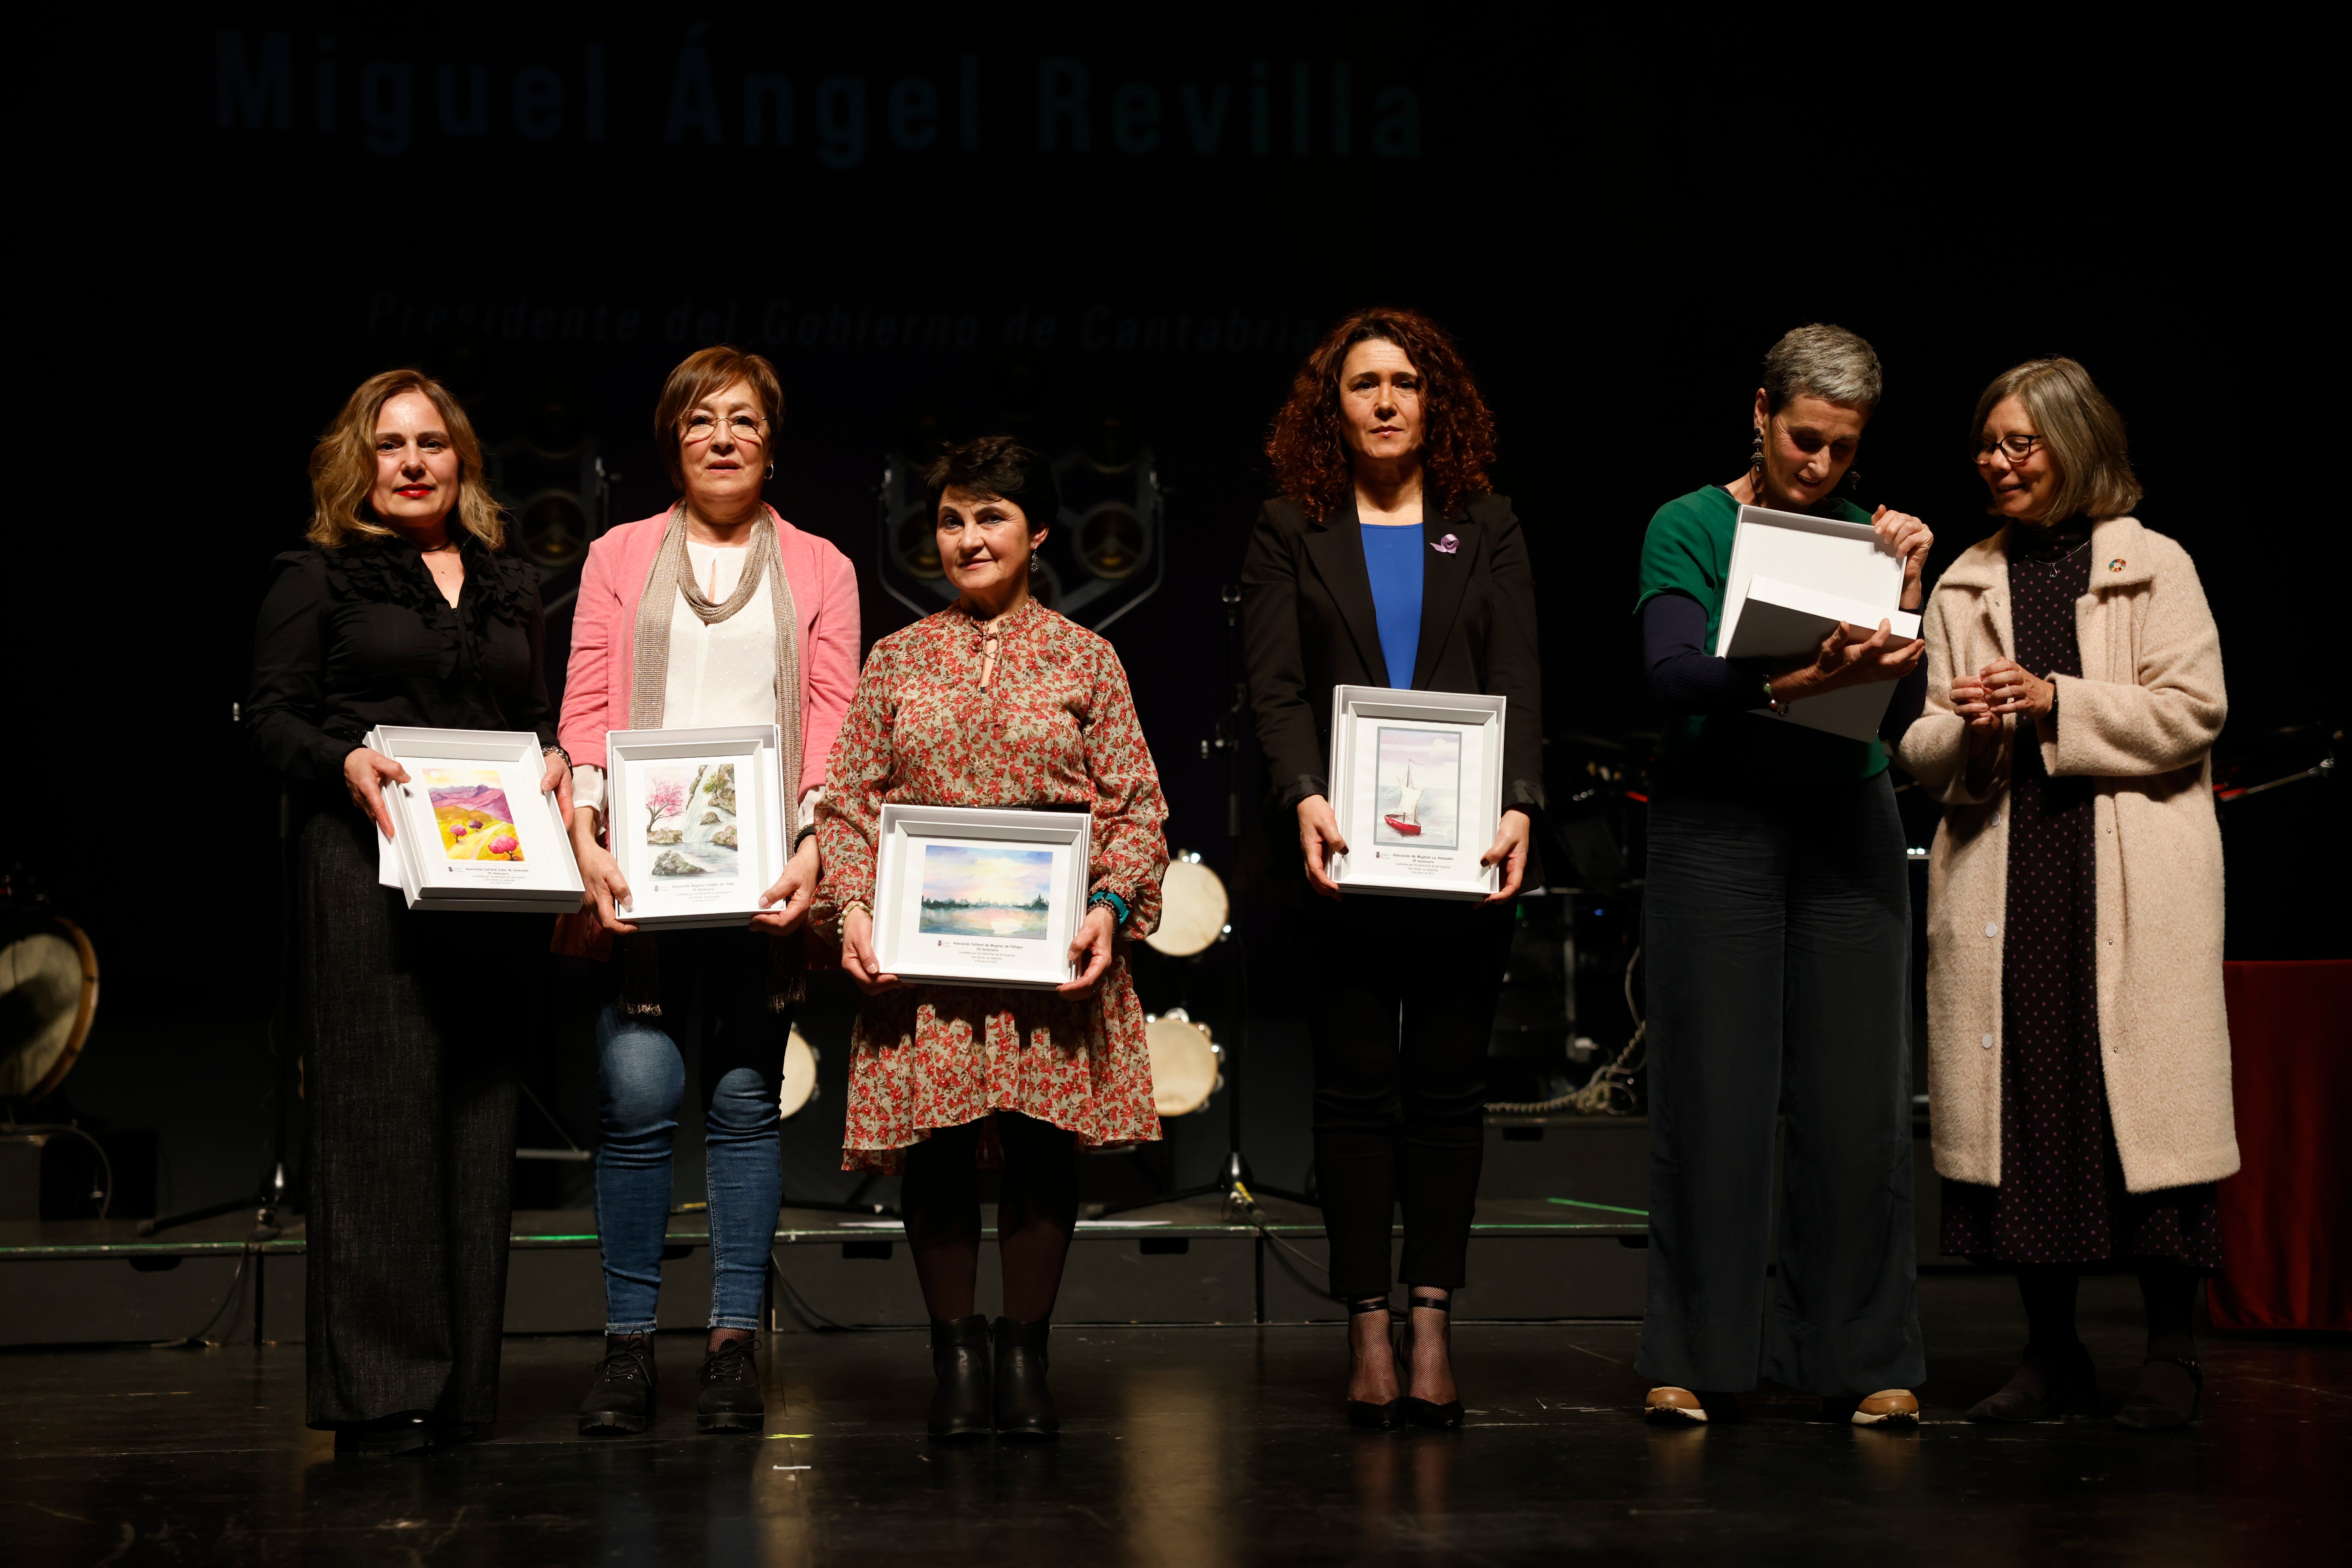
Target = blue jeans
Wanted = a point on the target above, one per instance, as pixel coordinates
(722, 978)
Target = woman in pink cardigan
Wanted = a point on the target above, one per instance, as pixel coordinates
(715, 612)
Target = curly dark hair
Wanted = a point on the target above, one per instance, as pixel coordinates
(1310, 456)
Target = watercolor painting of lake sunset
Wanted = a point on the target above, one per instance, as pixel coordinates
(986, 891)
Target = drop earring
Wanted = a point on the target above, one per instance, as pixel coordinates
(1853, 481)
(1755, 454)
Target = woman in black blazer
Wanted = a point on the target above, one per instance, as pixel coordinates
(1390, 561)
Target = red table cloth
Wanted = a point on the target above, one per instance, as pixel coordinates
(2285, 1214)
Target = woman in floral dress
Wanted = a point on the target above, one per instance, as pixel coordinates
(996, 701)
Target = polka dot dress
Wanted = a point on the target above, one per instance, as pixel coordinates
(2062, 1197)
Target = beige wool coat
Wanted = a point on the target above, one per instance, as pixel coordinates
(2141, 721)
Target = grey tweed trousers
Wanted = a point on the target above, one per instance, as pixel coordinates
(410, 1029)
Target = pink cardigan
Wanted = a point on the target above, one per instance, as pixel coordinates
(604, 639)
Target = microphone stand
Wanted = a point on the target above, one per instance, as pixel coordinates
(1234, 1183)
(265, 1202)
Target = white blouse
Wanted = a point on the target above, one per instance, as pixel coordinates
(719, 673)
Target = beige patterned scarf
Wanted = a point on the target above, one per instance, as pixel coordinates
(670, 578)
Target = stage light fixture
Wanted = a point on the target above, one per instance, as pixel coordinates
(550, 480)
(1110, 541)
(1102, 558)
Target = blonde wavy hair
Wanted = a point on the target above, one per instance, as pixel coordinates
(2083, 433)
(342, 465)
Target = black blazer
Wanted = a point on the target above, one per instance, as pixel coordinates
(1307, 624)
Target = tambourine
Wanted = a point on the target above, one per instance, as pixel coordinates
(1193, 907)
(800, 1076)
(1186, 1063)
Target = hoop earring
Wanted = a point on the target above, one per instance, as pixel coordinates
(772, 470)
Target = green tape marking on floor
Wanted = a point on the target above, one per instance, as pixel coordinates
(1611, 1208)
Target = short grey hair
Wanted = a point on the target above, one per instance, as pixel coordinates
(1824, 361)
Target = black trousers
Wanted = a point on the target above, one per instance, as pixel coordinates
(1401, 995)
(410, 1027)
(1778, 944)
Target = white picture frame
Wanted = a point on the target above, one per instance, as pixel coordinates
(1417, 786)
(980, 895)
(472, 829)
(696, 820)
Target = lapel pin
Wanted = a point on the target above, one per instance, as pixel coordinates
(1449, 544)
(2116, 564)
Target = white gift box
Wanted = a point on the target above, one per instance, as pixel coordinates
(472, 830)
(1417, 786)
(1793, 578)
(695, 819)
(980, 895)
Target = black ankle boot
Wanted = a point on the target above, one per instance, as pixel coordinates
(731, 1399)
(961, 1407)
(1025, 1410)
(2046, 1384)
(620, 1387)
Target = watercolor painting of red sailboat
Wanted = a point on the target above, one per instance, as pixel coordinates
(1407, 802)
(1418, 791)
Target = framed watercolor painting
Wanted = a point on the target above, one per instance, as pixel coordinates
(695, 817)
(471, 830)
(980, 897)
(1417, 785)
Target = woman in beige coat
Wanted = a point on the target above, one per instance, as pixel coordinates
(2078, 1048)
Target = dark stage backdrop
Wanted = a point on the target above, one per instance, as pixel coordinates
(939, 228)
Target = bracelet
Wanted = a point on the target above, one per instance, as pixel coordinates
(557, 752)
(1119, 910)
(1773, 702)
(857, 904)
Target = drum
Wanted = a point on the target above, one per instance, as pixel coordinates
(1184, 1063)
(800, 1076)
(1193, 911)
(48, 994)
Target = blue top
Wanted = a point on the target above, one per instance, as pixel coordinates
(1393, 557)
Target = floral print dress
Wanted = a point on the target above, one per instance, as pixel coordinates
(1054, 728)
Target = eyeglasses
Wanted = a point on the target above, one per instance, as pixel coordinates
(744, 429)
(2016, 448)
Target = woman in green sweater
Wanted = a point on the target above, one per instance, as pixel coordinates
(1776, 933)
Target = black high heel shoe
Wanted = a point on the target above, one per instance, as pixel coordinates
(1363, 1412)
(1445, 1418)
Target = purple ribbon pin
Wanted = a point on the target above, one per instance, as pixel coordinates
(1446, 546)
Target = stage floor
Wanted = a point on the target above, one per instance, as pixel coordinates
(1186, 1446)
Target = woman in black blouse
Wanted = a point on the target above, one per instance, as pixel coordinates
(401, 612)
